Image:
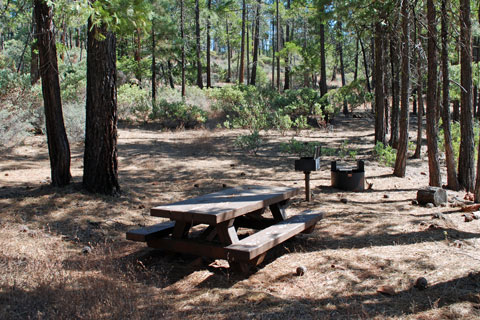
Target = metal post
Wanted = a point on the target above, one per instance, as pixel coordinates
(308, 194)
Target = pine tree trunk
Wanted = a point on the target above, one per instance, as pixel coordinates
(379, 86)
(229, 54)
(241, 74)
(209, 76)
(355, 71)
(342, 67)
(58, 147)
(418, 41)
(401, 161)
(154, 68)
(278, 47)
(394, 122)
(452, 180)
(255, 44)
(273, 54)
(323, 64)
(34, 70)
(198, 48)
(100, 172)
(365, 65)
(466, 168)
(182, 35)
(287, 58)
(432, 130)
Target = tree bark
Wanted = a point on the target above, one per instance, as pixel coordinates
(379, 93)
(58, 147)
(365, 65)
(466, 168)
(34, 70)
(432, 130)
(418, 40)
(242, 46)
(401, 161)
(287, 57)
(255, 44)
(452, 180)
(273, 54)
(395, 93)
(100, 172)
(154, 68)
(342, 67)
(229, 54)
(182, 35)
(198, 48)
(209, 75)
(323, 65)
(278, 47)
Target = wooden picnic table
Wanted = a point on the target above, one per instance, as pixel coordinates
(221, 214)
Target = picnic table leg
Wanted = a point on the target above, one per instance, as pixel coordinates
(181, 229)
(227, 233)
(246, 267)
(278, 210)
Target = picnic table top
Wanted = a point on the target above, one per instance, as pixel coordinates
(224, 205)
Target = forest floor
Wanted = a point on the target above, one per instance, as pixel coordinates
(377, 238)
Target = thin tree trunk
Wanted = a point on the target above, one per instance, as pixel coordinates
(395, 93)
(170, 77)
(452, 180)
(242, 46)
(273, 54)
(154, 69)
(342, 67)
(286, 85)
(418, 41)
(58, 147)
(182, 35)
(100, 172)
(278, 48)
(255, 44)
(379, 86)
(229, 54)
(401, 160)
(209, 76)
(365, 65)
(198, 48)
(355, 72)
(432, 130)
(323, 64)
(466, 170)
(34, 70)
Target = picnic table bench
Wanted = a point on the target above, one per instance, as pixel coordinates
(221, 214)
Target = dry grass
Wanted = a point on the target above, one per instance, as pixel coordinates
(372, 240)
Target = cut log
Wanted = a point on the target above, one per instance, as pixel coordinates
(434, 195)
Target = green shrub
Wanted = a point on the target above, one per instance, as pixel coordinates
(178, 114)
(74, 115)
(385, 154)
(15, 126)
(133, 102)
(250, 143)
(299, 148)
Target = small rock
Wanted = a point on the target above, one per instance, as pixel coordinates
(476, 215)
(468, 217)
(86, 250)
(24, 228)
(6, 174)
(196, 185)
(443, 205)
(242, 174)
(430, 205)
(344, 200)
(386, 196)
(421, 283)
(142, 206)
(438, 215)
(423, 173)
(386, 290)
(415, 202)
(301, 270)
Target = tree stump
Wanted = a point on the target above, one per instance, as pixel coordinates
(434, 195)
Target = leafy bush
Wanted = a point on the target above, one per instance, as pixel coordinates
(385, 154)
(74, 115)
(299, 148)
(73, 81)
(250, 143)
(133, 102)
(178, 114)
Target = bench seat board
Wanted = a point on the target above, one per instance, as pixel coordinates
(147, 233)
(224, 205)
(260, 242)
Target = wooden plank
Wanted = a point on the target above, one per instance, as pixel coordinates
(253, 223)
(224, 205)
(258, 243)
(151, 232)
(193, 247)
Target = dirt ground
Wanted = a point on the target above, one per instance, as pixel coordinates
(377, 238)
